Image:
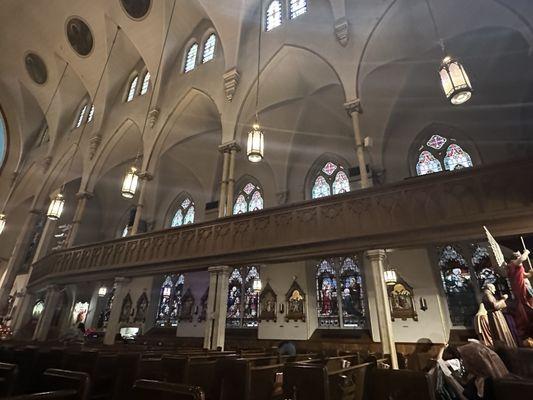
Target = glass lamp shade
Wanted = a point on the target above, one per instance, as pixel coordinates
(455, 82)
(56, 207)
(102, 291)
(257, 285)
(256, 144)
(2, 223)
(390, 277)
(129, 185)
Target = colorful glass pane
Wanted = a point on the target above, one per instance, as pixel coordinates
(486, 273)
(178, 219)
(167, 313)
(457, 158)
(326, 284)
(256, 203)
(436, 142)
(352, 294)
(320, 188)
(329, 168)
(249, 188)
(251, 299)
(233, 317)
(240, 206)
(427, 164)
(189, 216)
(186, 203)
(341, 183)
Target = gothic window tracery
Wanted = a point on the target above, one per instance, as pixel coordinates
(331, 179)
(132, 89)
(209, 48)
(190, 59)
(146, 83)
(184, 215)
(170, 298)
(340, 293)
(249, 198)
(243, 300)
(441, 154)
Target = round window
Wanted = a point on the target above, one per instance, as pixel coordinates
(79, 36)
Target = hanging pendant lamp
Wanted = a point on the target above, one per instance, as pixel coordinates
(390, 277)
(130, 183)
(56, 207)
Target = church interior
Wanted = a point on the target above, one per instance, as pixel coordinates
(266, 199)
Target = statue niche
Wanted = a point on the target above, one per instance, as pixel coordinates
(187, 306)
(142, 307)
(268, 304)
(125, 311)
(401, 300)
(295, 299)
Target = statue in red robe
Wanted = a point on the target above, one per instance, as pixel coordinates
(523, 310)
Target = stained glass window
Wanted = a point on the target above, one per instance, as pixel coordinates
(456, 158)
(434, 156)
(169, 307)
(146, 83)
(457, 283)
(326, 287)
(234, 313)
(487, 273)
(243, 301)
(133, 88)
(251, 298)
(249, 198)
(340, 293)
(190, 61)
(184, 215)
(37, 309)
(81, 115)
(297, 8)
(331, 179)
(209, 48)
(273, 15)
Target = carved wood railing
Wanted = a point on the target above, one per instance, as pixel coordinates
(418, 211)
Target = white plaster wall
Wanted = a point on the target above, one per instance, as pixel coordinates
(198, 282)
(280, 278)
(135, 288)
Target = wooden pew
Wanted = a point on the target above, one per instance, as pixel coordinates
(8, 379)
(127, 371)
(154, 390)
(402, 384)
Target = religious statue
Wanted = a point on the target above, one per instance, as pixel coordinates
(523, 310)
(482, 326)
(500, 331)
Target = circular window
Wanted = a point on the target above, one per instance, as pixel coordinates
(36, 68)
(136, 8)
(79, 36)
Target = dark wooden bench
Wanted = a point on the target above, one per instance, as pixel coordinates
(8, 379)
(402, 384)
(155, 390)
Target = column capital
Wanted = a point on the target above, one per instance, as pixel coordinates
(229, 146)
(376, 255)
(145, 176)
(221, 268)
(84, 195)
(353, 106)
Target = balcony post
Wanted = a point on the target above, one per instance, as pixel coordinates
(45, 320)
(215, 327)
(234, 148)
(224, 183)
(353, 108)
(144, 178)
(78, 216)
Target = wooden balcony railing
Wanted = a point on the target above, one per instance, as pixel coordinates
(432, 209)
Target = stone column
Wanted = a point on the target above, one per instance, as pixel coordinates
(377, 258)
(78, 216)
(113, 325)
(144, 178)
(353, 107)
(224, 183)
(23, 312)
(217, 303)
(93, 308)
(45, 320)
(17, 257)
(233, 149)
(44, 242)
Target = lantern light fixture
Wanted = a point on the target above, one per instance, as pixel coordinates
(256, 144)
(2, 222)
(102, 291)
(129, 185)
(56, 207)
(257, 285)
(390, 277)
(455, 82)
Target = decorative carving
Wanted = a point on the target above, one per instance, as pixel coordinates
(268, 304)
(153, 116)
(353, 106)
(295, 298)
(126, 309)
(187, 306)
(402, 300)
(342, 31)
(142, 308)
(231, 81)
(94, 143)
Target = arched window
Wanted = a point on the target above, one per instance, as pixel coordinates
(486, 273)
(340, 294)
(439, 151)
(209, 48)
(133, 88)
(125, 231)
(331, 179)
(91, 114)
(146, 83)
(457, 282)
(243, 300)
(3, 135)
(190, 60)
(184, 214)
(170, 300)
(297, 8)
(249, 198)
(81, 115)
(273, 15)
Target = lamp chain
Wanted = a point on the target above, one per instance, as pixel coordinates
(259, 60)
(435, 27)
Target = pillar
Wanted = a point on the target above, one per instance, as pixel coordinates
(17, 257)
(144, 178)
(224, 182)
(377, 258)
(215, 327)
(44, 241)
(113, 325)
(23, 312)
(78, 216)
(233, 149)
(94, 308)
(353, 107)
(45, 320)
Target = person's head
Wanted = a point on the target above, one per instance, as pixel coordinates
(515, 256)
(450, 353)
